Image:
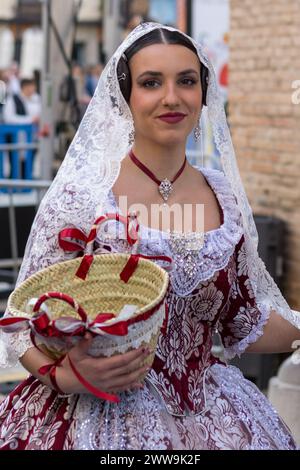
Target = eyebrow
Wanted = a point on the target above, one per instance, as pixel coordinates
(152, 73)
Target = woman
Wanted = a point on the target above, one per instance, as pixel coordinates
(148, 100)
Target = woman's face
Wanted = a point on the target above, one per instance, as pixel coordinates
(166, 96)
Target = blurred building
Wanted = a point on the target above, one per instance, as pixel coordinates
(264, 64)
(122, 16)
(21, 37)
(88, 47)
(209, 24)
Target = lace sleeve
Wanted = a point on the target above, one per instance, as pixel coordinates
(243, 319)
(13, 346)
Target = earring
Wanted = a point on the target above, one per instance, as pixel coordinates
(197, 132)
(198, 136)
(122, 76)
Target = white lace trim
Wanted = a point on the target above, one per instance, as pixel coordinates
(192, 266)
(108, 345)
(138, 333)
(13, 346)
(239, 348)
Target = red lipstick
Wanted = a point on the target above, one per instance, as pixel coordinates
(172, 118)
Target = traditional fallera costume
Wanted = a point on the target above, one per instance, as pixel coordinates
(191, 399)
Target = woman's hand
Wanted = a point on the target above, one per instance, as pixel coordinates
(109, 374)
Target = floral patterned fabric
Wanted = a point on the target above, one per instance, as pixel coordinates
(191, 400)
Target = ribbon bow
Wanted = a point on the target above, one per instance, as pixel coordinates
(42, 324)
(74, 240)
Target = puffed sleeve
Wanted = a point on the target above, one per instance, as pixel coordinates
(243, 319)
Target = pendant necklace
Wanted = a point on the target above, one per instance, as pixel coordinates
(165, 187)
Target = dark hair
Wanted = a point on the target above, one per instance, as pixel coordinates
(27, 81)
(156, 36)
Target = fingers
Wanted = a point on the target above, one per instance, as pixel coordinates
(120, 372)
(119, 362)
(124, 381)
(131, 366)
(81, 349)
(122, 360)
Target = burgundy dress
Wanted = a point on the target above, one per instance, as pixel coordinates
(191, 399)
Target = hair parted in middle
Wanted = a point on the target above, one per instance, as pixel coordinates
(157, 36)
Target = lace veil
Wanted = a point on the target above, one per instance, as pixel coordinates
(92, 165)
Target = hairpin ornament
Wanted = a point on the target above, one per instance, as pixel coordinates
(122, 76)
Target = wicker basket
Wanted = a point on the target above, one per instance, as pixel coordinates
(60, 307)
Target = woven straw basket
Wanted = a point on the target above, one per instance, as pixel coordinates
(119, 298)
(102, 291)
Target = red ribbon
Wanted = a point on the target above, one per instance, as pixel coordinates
(95, 391)
(129, 268)
(165, 322)
(133, 261)
(67, 239)
(41, 323)
(47, 367)
(49, 329)
(74, 240)
(118, 329)
(84, 267)
(12, 320)
(51, 369)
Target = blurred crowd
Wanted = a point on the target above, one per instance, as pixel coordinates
(21, 104)
(84, 81)
(22, 101)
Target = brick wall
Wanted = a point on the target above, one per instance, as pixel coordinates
(264, 61)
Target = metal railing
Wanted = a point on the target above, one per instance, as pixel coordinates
(11, 199)
(14, 147)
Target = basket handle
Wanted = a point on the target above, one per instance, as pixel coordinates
(88, 258)
(51, 368)
(130, 223)
(74, 240)
(60, 296)
(133, 261)
(43, 323)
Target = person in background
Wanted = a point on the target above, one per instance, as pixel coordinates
(92, 77)
(133, 22)
(23, 107)
(3, 91)
(13, 85)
